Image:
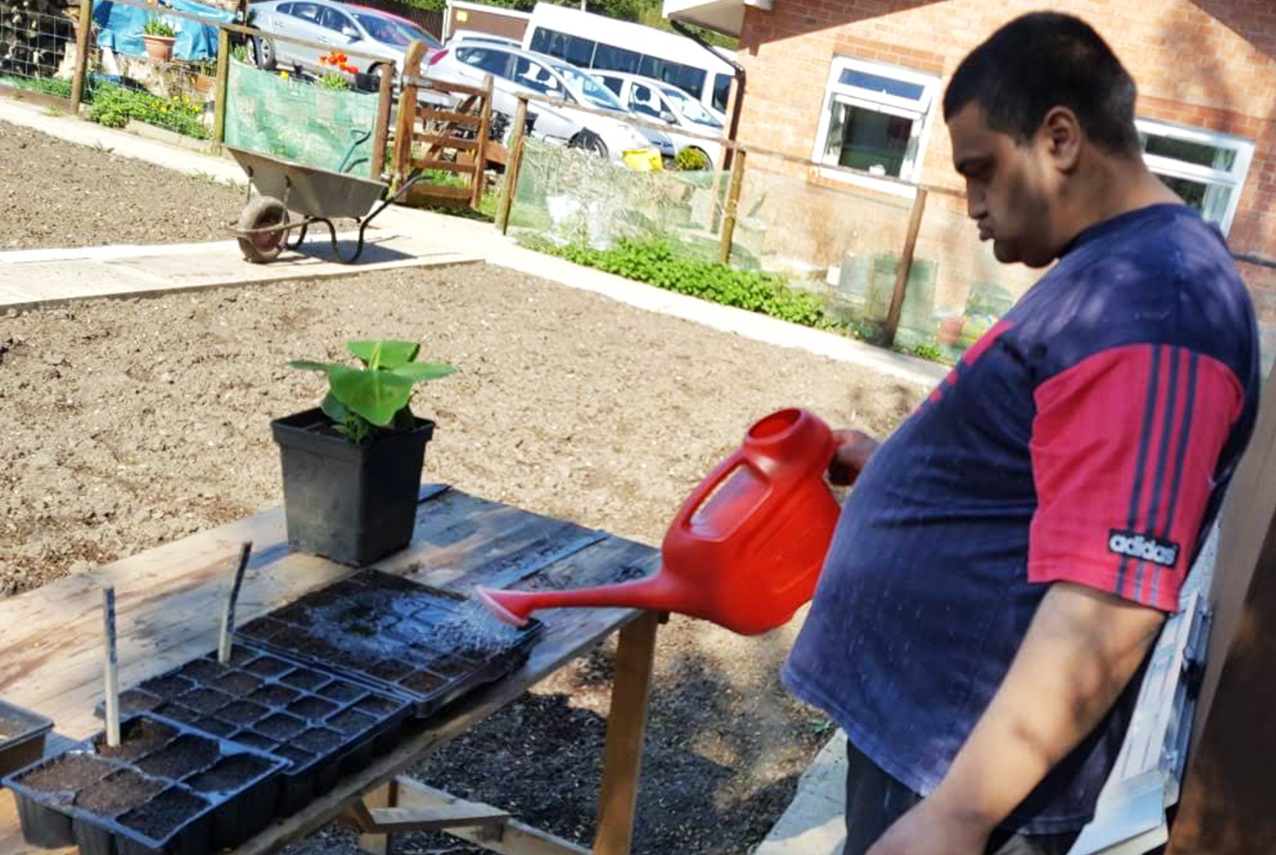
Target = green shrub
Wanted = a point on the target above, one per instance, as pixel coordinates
(155, 27)
(335, 82)
(52, 86)
(113, 106)
(655, 262)
(691, 160)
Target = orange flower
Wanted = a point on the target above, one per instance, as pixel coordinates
(349, 69)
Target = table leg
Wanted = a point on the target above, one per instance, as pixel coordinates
(384, 796)
(626, 726)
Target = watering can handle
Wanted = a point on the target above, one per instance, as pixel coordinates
(711, 483)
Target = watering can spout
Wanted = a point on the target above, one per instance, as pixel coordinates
(658, 593)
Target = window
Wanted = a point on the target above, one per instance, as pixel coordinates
(334, 20)
(875, 118)
(536, 77)
(615, 84)
(721, 89)
(644, 101)
(307, 11)
(492, 61)
(685, 77)
(573, 49)
(1206, 168)
(610, 58)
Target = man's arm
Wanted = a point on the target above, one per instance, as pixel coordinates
(1080, 651)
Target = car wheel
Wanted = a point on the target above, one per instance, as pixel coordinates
(264, 53)
(589, 141)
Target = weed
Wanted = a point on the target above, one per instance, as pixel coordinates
(113, 106)
(102, 148)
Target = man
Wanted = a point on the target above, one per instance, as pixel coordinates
(1006, 559)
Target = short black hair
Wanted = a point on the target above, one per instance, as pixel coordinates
(1044, 60)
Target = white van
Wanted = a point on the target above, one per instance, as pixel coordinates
(606, 44)
(666, 103)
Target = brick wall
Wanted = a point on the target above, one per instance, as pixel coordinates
(1204, 63)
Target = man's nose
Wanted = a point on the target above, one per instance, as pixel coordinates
(976, 208)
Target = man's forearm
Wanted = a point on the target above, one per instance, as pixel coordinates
(1080, 651)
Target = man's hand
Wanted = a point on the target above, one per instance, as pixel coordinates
(854, 450)
(930, 829)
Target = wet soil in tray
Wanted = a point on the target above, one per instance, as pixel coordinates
(117, 793)
(389, 631)
(164, 814)
(137, 738)
(185, 754)
(72, 771)
(231, 773)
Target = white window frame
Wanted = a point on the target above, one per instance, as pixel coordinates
(1233, 178)
(835, 90)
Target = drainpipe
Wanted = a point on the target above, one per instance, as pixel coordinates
(733, 121)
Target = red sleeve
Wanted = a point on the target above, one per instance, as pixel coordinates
(1124, 448)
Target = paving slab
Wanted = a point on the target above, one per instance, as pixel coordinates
(813, 824)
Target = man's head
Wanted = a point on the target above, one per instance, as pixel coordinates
(1031, 112)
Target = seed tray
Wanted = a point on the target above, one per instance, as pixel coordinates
(21, 737)
(324, 726)
(427, 644)
(167, 789)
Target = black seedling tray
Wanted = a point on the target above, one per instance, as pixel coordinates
(427, 644)
(21, 737)
(167, 789)
(326, 727)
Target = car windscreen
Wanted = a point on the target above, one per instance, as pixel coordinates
(690, 108)
(587, 89)
(415, 33)
(382, 29)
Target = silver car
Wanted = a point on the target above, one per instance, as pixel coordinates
(515, 72)
(337, 26)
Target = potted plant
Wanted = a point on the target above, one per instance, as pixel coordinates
(158, 37)
(352, 466)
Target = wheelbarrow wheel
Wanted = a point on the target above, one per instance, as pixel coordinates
(262, 213)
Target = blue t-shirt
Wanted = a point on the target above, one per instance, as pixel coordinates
(1086, 437)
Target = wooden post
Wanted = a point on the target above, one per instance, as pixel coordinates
(81, 55)
(512, 166)
(480, 154)
(384, 796)
(1225, 808)
(385, 102)
(223, 77)
(733, 202)
(905, 265)
(724, 156)
(626, 725)
(406, 124)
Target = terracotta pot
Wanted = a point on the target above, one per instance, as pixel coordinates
(159, 48)
(950, 330)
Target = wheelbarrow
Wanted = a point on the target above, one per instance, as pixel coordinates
(317, 195)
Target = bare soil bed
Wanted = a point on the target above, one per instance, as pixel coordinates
(131, 423)
(58, 194)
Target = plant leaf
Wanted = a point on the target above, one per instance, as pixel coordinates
(384, 354)
(306, 365)
(375, 395)
(334, 409)
(417, 372)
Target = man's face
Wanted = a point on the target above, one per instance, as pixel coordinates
(1009, 187)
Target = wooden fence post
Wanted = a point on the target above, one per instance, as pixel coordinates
(82, 33)
(905, 265)
(512, 165)
(733, 202)
(385, 99)
(406, 123)
(223, 78)
(480, 154)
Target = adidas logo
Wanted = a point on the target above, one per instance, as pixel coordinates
(1144, 547)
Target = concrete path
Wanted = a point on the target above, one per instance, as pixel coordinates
(813, 823)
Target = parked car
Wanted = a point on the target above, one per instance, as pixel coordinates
(487, 38)
(518, 71)
(336, 25)
(666, 103)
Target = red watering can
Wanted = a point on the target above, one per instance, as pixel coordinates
(745, 549)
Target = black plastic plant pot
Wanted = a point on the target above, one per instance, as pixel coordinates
(167, 789)
(21, 737)
(353, 503)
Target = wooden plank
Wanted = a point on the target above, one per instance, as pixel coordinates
(397, 820)
(427, 114)
(480, 153)
(445, 165)
(222, 77)
(381, 130)
(442, 85)
(384, 796)
(405, 126)
(436, 141)
(424, 190)
(515, 838)
(733, 204)
(512, 167)
(905, 265)
(84, 26)
(50, 662)
(626, 727)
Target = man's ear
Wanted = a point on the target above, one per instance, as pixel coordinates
(1062, 135)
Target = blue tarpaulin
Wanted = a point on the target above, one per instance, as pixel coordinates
(120, 27)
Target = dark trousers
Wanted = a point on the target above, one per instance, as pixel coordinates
(874, 800)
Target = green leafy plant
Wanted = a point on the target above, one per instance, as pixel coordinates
(156, 27)
(335, 82)
(113, 106)
(360, 400)
(691, 160)
(240, 52)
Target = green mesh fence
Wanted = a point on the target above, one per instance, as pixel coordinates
(278, 115)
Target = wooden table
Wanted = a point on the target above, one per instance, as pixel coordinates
(169, 601)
